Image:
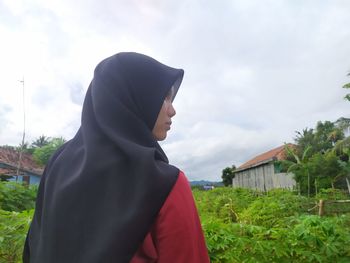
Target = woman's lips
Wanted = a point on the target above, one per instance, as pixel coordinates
(168, 124)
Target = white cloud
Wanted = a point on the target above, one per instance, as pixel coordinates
(254, 71)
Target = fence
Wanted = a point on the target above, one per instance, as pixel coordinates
(332, 207)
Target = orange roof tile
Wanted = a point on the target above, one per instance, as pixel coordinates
(9, 156)
(274, 154)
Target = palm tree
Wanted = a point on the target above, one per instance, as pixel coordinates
(346, 167)
(41, 141)
(347, 86)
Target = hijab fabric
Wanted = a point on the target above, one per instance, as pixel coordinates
(101, 192)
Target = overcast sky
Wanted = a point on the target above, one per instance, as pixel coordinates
(255, 70)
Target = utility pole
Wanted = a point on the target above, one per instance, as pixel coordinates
(24, 131)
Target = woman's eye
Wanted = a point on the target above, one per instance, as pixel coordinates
(168, 98)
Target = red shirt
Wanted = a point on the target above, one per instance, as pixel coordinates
(177, 235)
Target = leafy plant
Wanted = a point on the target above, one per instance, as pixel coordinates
(42, 154)
(17, 197)
(13, 230)
(271, 227)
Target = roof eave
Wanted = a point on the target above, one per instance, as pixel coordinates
(256, 164)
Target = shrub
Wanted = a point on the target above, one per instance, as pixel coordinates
(272, 209)
(332, 194)
(13, 230)
(17, 197)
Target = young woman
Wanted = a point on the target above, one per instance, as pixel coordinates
(109, 194)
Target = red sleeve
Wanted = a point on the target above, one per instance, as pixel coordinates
(177, 234)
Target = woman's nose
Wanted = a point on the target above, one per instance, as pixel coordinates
(171, 111)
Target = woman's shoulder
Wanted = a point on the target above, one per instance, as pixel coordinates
(182, 179)
(181, 188)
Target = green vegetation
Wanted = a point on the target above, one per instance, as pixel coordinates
(43, 153)
(242, 225)
(17, 197)
(320, 158)
(347, 86)
(13, 230)
(16, 210)
(227, 175)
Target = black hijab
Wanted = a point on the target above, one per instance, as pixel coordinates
(101, 192)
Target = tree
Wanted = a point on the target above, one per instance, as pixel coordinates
(325, 169)
(343, 124)
(322, 138)
(347, 86)
(327, 134)
(305, 139)
(41, 141)
(42, 155)
(227, 175)
(299, 166)
(345, 165)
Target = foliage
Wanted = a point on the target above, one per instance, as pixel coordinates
(25, 147)
(240, 225)
(299, 166)
(227, 175)
(224, 203)
(13, 230)
(42, 154)
(325, 169)
(347, 86)
(269, 210)
(41, 141)
(320, 139)
(305, 138)
(272, 227)
(332, 194)
(322, 169)
(17, 197)
(16, 211)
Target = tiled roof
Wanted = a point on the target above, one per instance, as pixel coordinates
(274, 154)
(9, 156)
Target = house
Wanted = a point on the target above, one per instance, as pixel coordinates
(208, 187)
(28, 172)
(263, 172)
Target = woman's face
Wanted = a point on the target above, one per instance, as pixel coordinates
(163, 122)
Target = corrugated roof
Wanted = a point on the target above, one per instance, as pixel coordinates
(274, 154)
(9, 156)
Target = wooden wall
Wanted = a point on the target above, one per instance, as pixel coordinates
(263, 178)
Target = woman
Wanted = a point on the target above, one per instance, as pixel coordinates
(109, 194)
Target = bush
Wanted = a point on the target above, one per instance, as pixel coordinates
(17, 197)
(225, 203)
(332, 194)
(273, 208)
(13, 230)
(271, 227)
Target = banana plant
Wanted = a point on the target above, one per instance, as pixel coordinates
(346, 166)
(299, 163)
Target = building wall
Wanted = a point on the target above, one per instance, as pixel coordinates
(33, 179)
(11, 171)
(263, 178)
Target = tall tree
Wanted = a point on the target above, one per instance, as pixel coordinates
(227, 175)
(304, 139)
(42, 155)
(346, 167)
(40, 141)
(347, 86)
(343, 124)
(299, 166)
(321, 139)
(325, 169)
(327, 134)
